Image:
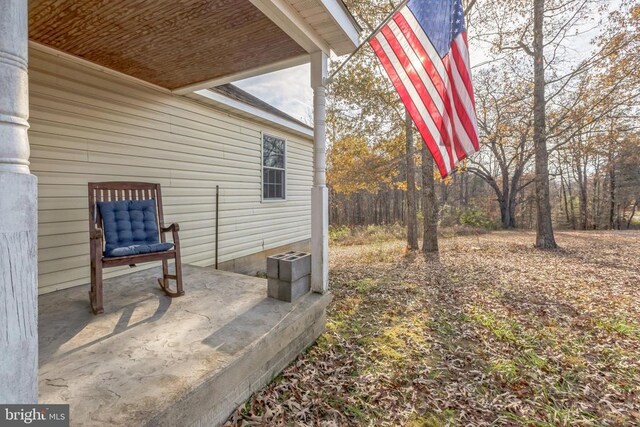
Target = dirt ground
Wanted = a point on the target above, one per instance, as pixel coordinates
(494, 332)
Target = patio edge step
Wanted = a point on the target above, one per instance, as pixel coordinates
(212, 401)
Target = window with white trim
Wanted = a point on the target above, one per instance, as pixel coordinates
(273, 168)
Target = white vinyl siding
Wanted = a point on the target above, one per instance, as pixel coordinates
(87, 125)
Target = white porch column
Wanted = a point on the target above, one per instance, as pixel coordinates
(319, 192)
(18, 216)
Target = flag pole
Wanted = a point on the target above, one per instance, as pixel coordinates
(366, 41)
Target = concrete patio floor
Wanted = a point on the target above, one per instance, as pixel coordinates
(152, 360)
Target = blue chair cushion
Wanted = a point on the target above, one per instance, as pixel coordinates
(140, 249)
(130, 227)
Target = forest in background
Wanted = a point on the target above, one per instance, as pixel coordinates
(591, 94)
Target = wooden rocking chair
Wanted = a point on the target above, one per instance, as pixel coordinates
(125, 221)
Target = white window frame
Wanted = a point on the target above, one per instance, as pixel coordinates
(262, 167)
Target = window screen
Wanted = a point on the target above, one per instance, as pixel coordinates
(273, 167)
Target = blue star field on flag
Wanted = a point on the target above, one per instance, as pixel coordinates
(441, 20)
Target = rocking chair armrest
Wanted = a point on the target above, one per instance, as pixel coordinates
(173, 228)
(96, 233)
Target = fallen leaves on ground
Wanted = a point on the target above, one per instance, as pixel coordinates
(494, 332)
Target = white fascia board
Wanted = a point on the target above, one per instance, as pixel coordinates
(346, 23)
(253, 111)
(290, 21)
(269, 68)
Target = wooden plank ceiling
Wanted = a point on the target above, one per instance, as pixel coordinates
(166, 42)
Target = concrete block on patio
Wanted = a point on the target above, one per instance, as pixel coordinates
(288, 291)
(295, 266)
(273, 266)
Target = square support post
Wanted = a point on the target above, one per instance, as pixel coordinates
(319, 192)
(18, 216)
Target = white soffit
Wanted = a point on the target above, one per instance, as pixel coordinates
(324, 25)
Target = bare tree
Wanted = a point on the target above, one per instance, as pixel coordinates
(544, 224)
(505, 125)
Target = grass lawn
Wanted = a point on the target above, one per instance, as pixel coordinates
(495, 332)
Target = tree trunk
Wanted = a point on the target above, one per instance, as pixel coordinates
(512, 209)
(612, 194)
(565, 198)
(504, 212)
(412, 219)
(429, 204)
(465, 189)
(582, 194)
(633, 212)
(573, 212)
(522, 201)
(507, 202)
(595, 200)
(544, 225)
(459, 179)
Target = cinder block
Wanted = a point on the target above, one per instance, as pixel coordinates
(295, 266)
(272, 267)
(288, 291)
(272, 264)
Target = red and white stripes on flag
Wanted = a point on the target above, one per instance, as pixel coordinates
(423, 49)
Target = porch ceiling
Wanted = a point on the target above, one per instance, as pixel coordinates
(164, 42)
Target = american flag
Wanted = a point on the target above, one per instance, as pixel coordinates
(424, 50)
